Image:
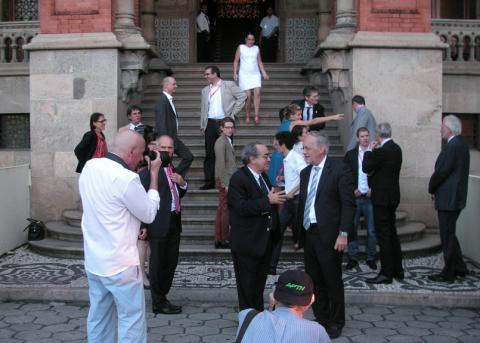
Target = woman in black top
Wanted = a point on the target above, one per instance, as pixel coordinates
(93, 142)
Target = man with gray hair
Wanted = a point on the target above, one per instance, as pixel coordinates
(326, 211)
(363, 118)
(449, 185)
(254, 224)
(382, 162)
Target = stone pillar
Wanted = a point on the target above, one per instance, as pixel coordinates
(148, 21)
(125, 16)
(346, 16)
(324, 19)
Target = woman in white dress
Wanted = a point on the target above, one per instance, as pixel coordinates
(249, 77)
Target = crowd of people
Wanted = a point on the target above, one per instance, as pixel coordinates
(131, 196)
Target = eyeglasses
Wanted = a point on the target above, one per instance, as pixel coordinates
(102, 121)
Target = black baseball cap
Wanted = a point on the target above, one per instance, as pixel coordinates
(294, 287)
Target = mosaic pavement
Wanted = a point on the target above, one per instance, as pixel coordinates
(23, 268)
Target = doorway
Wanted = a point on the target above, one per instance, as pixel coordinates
(230, 21)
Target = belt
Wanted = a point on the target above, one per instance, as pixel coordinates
(363, 195)
(215, 120)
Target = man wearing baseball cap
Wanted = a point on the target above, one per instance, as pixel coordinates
(292, 296)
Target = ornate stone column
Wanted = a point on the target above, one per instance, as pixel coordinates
(346, 16)
(147, 10)
(324, 19)
(125, 16)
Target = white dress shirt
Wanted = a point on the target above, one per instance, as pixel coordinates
(307, 111)
(257, 176)
(203, 24)
(268, 25)
(114, 205)
(313, 217)
(170, 99)
(362, 177)
(293, 164)
(215, 107)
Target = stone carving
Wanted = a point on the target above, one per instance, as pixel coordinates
(26, 10)
(173, 39)
(301, 39)
(133, 64)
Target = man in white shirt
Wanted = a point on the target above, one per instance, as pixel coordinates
(114, 204)
(269, 36)
(220, 99)
(203, 35)
(354, 159)
(293, 164)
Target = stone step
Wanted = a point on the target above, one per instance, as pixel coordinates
(278, 97)
(192, 85)
(428, 244)
(73, 217)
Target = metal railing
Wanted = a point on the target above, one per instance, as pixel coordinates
(13, 36)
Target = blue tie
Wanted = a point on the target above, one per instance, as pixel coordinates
(310, 198)
(262, 185)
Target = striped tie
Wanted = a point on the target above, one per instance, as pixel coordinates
(310, 198)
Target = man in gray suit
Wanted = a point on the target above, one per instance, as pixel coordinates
(449, 185)
(363, 118)
(220, 99)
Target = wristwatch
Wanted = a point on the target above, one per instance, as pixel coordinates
(343, 234)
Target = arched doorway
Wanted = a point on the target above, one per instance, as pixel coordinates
(230, 21)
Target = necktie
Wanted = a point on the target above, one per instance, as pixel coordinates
(309, 113)
(310, 198)
(173, 189)
(140, 128)
(262, 185)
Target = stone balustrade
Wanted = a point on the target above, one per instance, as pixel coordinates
(462, 37)
(13, 36)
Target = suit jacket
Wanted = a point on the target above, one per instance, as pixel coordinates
(161, 225)
(253, 220)
(351, 160)
(364, 118)
(334, 201)
(449, 181)
(233, 100)
(85, 149)
(318, 111)
(225, 164)
(165, 117)
(383, 167)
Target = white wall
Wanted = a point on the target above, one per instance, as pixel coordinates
(468, 228)
(14, 206)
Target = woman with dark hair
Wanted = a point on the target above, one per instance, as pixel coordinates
(93, 144)
(249, 77)
(299, 132)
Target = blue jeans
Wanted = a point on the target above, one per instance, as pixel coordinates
(125, 292)
(365, 207)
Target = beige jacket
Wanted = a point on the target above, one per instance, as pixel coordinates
(233, 100)
(225, 164)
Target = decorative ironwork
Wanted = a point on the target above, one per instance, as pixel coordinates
(26, 10)
(301, 39)
(173, 39)
(14, 131)
(238, 9)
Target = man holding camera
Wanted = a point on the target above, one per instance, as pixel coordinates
(164, 231)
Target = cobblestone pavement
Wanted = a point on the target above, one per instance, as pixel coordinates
(59, 322)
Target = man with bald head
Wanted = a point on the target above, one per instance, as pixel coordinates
(166, 123)
(114, 204)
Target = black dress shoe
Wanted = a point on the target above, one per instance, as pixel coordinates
(207, 186)
(333, 331)
(372, 264)
(351, 264)
(167, 307)
(272, 271)
(218, 244)
(399, 276)
(225, 245)
(379, 279)
(461, 274)
(440, 278)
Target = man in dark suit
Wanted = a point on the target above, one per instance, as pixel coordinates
(353, 158)
(449, 185)
(254, 224)
(166, 123)
(382, 162)
(164, 232)
(327, 204)
(310, 106)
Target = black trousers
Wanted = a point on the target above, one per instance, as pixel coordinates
(185, 154)
(203, 47)
(269, 49)
(163, 261)
(387, 239)
(324, 265)
(288, 217)
(251, 276)
(452, 253)
(211, 135)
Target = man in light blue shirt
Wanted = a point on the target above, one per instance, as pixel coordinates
(293, 295)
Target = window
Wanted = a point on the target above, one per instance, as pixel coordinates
(15, 131)
(470, 129)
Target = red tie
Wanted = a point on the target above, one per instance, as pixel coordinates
(173, 189)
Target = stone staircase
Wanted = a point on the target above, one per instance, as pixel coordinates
(64, 237)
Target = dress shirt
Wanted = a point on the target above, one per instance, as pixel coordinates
(140, 128)
(307, 111)
(313, 217)
(257, 176)
(170, 99)
(281, 325)
(203, 23)
(362, 177)
(450, 138)
(293, 164)
(215, 107)
(171, 183)
(114, 205)
(298, 147)
(268, 25)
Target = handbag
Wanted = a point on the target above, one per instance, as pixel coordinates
(36, 230)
